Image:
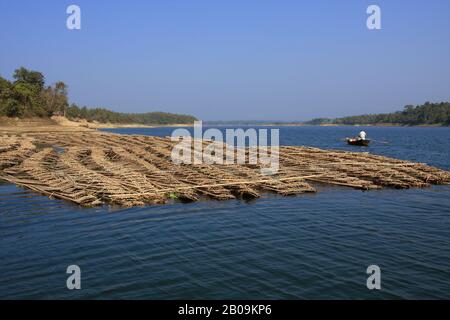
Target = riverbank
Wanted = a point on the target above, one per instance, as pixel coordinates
(62, 124)
(304, 124)
(377, 125)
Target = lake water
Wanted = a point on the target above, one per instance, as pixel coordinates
(304, 247)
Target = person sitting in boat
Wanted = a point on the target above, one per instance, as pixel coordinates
(362, 135)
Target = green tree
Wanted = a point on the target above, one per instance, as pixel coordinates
(55, 98)
(34, 78)
(27, 96)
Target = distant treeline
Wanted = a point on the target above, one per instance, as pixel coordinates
(248, 122)
(426, 114)
(28, 96)
(104, 115)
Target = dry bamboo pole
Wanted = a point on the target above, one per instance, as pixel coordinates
(91, 168)
(231, 184)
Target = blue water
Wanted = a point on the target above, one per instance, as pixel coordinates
(303, 247)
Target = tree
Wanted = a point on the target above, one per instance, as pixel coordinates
(55, 98)
(61, 97)
(27, 96)
(30, 77)
(8, 106)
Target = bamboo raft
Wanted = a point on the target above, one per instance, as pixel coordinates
(95, 168)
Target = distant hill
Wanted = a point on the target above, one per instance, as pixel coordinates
(426, 114)
(28, 96)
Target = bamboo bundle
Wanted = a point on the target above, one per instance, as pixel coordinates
(93, 168)
(14, 150)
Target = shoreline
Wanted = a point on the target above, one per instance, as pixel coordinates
(62, 124)
(326, 125)
(378, 125)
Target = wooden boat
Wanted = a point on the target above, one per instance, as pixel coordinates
(358, 142)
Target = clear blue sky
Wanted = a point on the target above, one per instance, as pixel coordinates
(235, 59)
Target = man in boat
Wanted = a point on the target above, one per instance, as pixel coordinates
(360, 140)
(362, 135)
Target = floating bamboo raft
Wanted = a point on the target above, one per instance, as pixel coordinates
(95, 168)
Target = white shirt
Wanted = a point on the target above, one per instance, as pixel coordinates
(362, 135)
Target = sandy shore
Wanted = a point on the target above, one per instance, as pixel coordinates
(62, 124)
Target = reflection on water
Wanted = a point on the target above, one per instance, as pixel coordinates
(309, 246)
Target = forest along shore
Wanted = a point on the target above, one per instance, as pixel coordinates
(428, 114)
(28, 100)
(88, 167)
